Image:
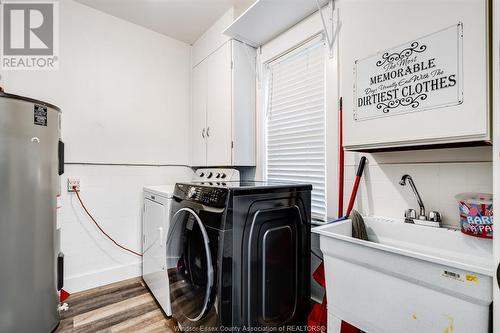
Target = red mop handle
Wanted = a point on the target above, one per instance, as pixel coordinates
(354, 192)
(341, 163)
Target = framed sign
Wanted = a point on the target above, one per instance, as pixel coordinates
(423, 74)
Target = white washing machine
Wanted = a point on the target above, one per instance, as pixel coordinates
(155, 223)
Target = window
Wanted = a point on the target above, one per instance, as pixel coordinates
(295, 121)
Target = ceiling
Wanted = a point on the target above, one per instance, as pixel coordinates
(184, 20)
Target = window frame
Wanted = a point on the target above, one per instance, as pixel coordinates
(266, 79)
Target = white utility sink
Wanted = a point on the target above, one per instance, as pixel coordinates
(406, 278)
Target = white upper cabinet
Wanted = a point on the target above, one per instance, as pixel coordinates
(414, 73)
(199, 115)
(219, 107)
(223, 107)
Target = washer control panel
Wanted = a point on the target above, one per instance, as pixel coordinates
(217, 175)
(208, 196)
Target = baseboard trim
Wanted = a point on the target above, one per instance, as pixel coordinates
(77, 283)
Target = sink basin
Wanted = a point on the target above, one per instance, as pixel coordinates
(406, 278)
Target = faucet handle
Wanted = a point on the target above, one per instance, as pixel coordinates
(434, 216)
(410, 215)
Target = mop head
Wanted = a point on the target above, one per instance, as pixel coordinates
(358, 226)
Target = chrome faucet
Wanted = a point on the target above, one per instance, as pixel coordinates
(402, 182)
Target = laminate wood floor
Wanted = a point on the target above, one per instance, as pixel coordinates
(125, 306)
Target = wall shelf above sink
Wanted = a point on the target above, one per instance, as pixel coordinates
(266, 19)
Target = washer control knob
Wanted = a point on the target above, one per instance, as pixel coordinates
(202, 174)
(209, 175)
(223, 176)
(218, 175)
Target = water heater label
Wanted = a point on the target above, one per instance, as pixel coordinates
(40, 115)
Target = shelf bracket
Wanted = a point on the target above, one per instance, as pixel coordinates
(330, 32)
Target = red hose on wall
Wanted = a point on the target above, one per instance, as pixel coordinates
(99, 227)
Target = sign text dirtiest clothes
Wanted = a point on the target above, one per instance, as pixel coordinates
(423, 74)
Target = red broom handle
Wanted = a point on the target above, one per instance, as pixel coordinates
(341, 164)
(353, 196)
(354, 192)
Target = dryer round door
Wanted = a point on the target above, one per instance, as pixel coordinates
(189, 263)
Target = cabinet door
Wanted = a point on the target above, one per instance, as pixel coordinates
(243, 104)
(219, 121)
(199, 115)
(425, 82)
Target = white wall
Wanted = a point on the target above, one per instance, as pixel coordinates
(212, 39)
(241, 6)
(124, 92)
(439, 174)
(120, 87)
(113, 194)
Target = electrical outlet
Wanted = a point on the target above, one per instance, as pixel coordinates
(72, 182)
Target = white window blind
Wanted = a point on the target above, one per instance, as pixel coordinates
(295, 121)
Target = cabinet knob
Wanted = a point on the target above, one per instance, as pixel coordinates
(203, 134)
(208, 131)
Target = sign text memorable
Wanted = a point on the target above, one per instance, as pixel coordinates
(423, 74)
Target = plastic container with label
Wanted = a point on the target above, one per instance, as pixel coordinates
(476, 214)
